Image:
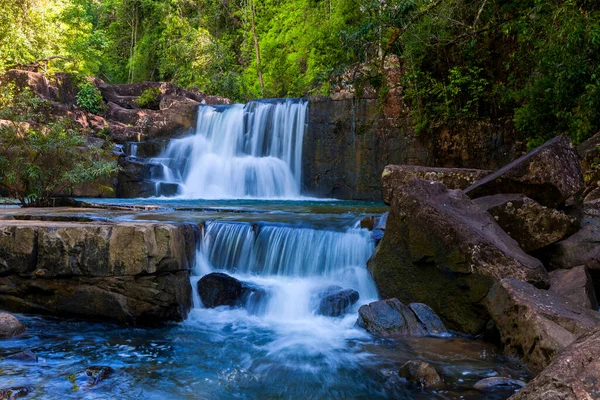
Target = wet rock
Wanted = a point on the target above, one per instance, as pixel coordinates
(10, 326)
(336, 302)
(549, 174)
(421, 373)
(498, 383)
(573, 375)
(167, 189)
(15, 392)
(389, 317)
(441, 249)
(532, 225)
(23, 356)
(218, 289)
(575, 285)
(394, 176)
(90, 376)
(536, 325)
(128, 272)
(581, 248)
(433, 324)
(379, 228)
(134, 180)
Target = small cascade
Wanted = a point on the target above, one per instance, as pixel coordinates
(251, 150)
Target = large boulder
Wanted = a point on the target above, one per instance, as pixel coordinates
(581, 248)
(574, 285)
(129, 272)
(550, 174)
(421, 373)
(218, 289)
(335, 301)
(10, 326)
(441, 249)
(573, 375)
(394, 176)
(536, 325)
(532, 225)
(389, 317)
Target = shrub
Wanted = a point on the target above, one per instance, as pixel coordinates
(149, 98)
(89, 98)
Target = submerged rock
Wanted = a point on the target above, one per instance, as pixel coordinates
(10, 326)
(421, 373)
(15, 392)
(532, 225)
(497, 382)
(389, 317)
(336, 302)
(573, 375)
(23, 356)
(549, 174)
(575, 285)
(218, 289)
(394, 176)
(90, 376)
(441, 249)
(536, 325)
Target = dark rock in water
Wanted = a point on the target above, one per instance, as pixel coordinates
(532, 225)
(575, 285)
(167, 189)
(549, 174)
(389, 317)
(394, 176)
(433, 324)
(441, 249)
(219, 289)
(10, 326)
(536, 325)
(368, 223)
(15, 392)
(335, 303)
(498, 382)
(98, 373)
(24, 356)
(573, 375)
(421, 373)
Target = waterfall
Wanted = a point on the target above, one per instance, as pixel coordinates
(251, 150)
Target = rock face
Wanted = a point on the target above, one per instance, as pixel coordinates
(573, 375)
(349, 141)
(219, 289)
(536, 325)
(421, 373)
(391, 317)
(581, 248)
(10, 326)
(128, 272)
(532, 225)
(394, 176)
(549, 174)
(575, 285)
(336, 301)
(441, 249)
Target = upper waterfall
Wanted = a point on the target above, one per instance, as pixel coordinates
(239, 151)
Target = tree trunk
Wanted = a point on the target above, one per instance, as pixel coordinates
(257, 49)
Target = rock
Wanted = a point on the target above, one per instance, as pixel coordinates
(134, 180)
(532, 225)
(497, 382)
(421, 373)
(389, 317)
(441, 249)
(90, 376)
(336, 302)
(433, 324)
(218, 289)
(379, 228)
(394, 176)
(549, 174)
(15, 392)
(536, 325)
(37, 82)
(167, 189)
(581, 248)
(573, 375)
(575, 285)
(133, 272)
(23, 356)
(10, 326)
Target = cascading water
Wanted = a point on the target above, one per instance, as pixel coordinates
(239, 151)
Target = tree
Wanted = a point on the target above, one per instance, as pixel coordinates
(41, 158)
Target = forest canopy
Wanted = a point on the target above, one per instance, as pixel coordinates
(536, 61)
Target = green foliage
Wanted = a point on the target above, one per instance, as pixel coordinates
(89, 98)
(149, 98)
(43, 157)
